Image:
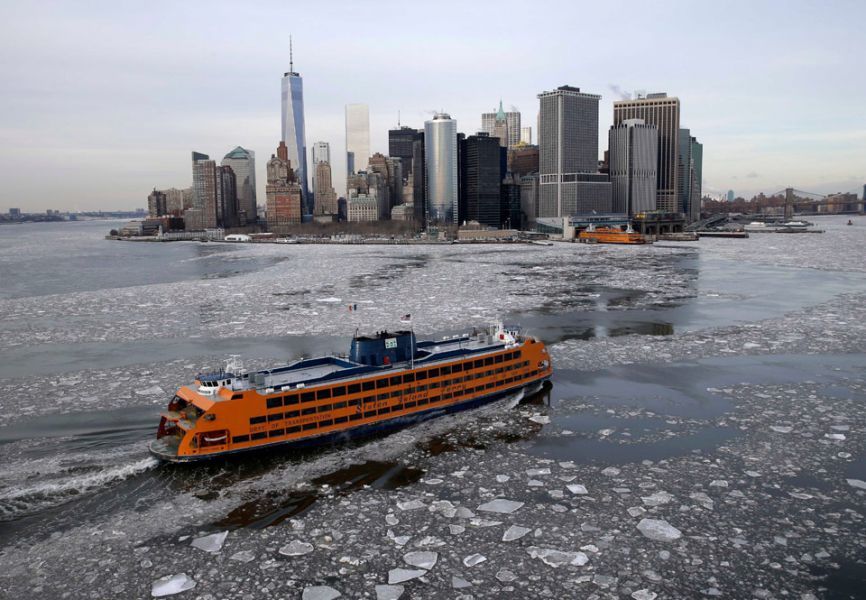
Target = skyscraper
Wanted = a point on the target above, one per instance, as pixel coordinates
(419, 181)
(501, 124)
(204, 184)
(664, 113)
(689, 170)
(526, 135)
(440, 154)
(400, 146)
(293, 132)
(326, 197)
(243, 163)
(321, 153)
(482, 178)
(227, 197)
(633, 160)
(156, 204)
(568, 154)
(357, 137)
(283, 191)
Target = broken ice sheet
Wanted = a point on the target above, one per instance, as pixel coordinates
(501, 505)
(577, 489)
(400, 575)
(657, 499)
(389, 592)
(540, 419)
(296, 548)
(458, 583)
(211, 543)
(857, 483)
(474, 559)
(659, 530)
(410, 505)
(320, 592)
(171, 584)
(558, 558)
(244, 556)
(422, 559)
(515, 532)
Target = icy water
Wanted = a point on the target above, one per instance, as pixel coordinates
(702, 436)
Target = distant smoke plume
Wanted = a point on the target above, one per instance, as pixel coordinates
(618, 91)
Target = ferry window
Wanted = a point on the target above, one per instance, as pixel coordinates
(488, 361)
(259, 436)
(292, 414)
(479, 363)
(237, 396)
(326, 423)
(408, 377)
(423, 402)
(293, 429)
(339, 420)
(308, 426)
(340, 391)
(367, 399)
(323, 394)
(396, 394)
(325, 408)
(368, 385)
(257, 420)
(410, 405)
(499, 370)
(421, 375)
(497, 359)
(293, 399)
(354, 402)
(434, 372)
(396, 380)
(355, 417)
(446, 370)
(308, 396)
(421, 388)
(434, 385)
(340, 404)
(276, 432)
(448, 396)
(488, 386)
(435, 399)
(239, 439)
(517, 354)
(309, 411)
(382, 383)
(275, 417)
(275, 402)
(354, 388)
(370, 413)
(384, 411)
(456, 368)
(384, 396)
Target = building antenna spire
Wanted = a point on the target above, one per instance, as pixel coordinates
(291, 56)
(398, 119)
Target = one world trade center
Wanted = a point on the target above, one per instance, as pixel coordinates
(293, 126)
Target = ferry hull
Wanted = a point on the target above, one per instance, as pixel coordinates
(355, 433)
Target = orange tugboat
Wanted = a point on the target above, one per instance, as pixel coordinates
(388, 381)
(610, 235)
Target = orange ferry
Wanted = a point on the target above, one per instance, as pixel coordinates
(611, 235)
(388, 381)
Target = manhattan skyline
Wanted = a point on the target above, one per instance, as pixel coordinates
(110, 100)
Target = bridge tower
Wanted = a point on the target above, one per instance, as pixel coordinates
(789, 203)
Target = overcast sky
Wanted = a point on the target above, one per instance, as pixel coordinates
(102, 101)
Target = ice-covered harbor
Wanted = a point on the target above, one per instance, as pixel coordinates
(704, 434)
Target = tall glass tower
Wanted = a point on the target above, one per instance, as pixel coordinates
(293, 133)
(440, 152)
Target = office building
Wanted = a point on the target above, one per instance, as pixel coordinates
(440, 157)
(204, 184)
(325, 196)
(691, 171)
(293, 130)
(481, 180)
(243, 164)
(357, 137)
(633, 160)
(523, 160)
(400, 145)
(283, 191)
(568, 154)
(510, 213)
(362, 207)
(664, 113)
(529, 199)
(526, 135)
(419, 180)
(504, 125)
(227, 197)
(730, 195)
(157, 205)
(321, 153)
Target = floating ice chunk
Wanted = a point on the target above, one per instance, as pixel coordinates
(390, 519)
(719, 483)
(781, 428)
(540, 419)
(296, 548)
(590, 548)
(422, 559)
(752, 473)
(577, 489)
(501, 505)
(171, 584)
(474, 559)
(605, 432)
(558, 558)
(515, 532)
(320, 592)
(154, 390)
(243, 556)
(401, 575)
(429, 541)
(211, 543)
(659, 530)
(610, 472)
(702, 499)
(857, 483)
(477, 522)
(389, 592)
(636, 511)
(505, 576)
(456, 529)
(747, 346)
(410, 505)
(538, 472)
(567, 478)
(800, 495)
(644, 595)
(401, 540)
(840, 427)
(458, 583)
(657, 499)
(502, 478)
(535, 483)
(568, 464)
(464, 513)
(556, 494)
(329, 300)
(835, 436)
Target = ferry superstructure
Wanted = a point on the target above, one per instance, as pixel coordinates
(389, 380)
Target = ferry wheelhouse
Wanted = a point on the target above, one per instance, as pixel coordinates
(389, 380)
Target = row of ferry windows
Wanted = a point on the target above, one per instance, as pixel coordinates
(366, 386)
(363, 401)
